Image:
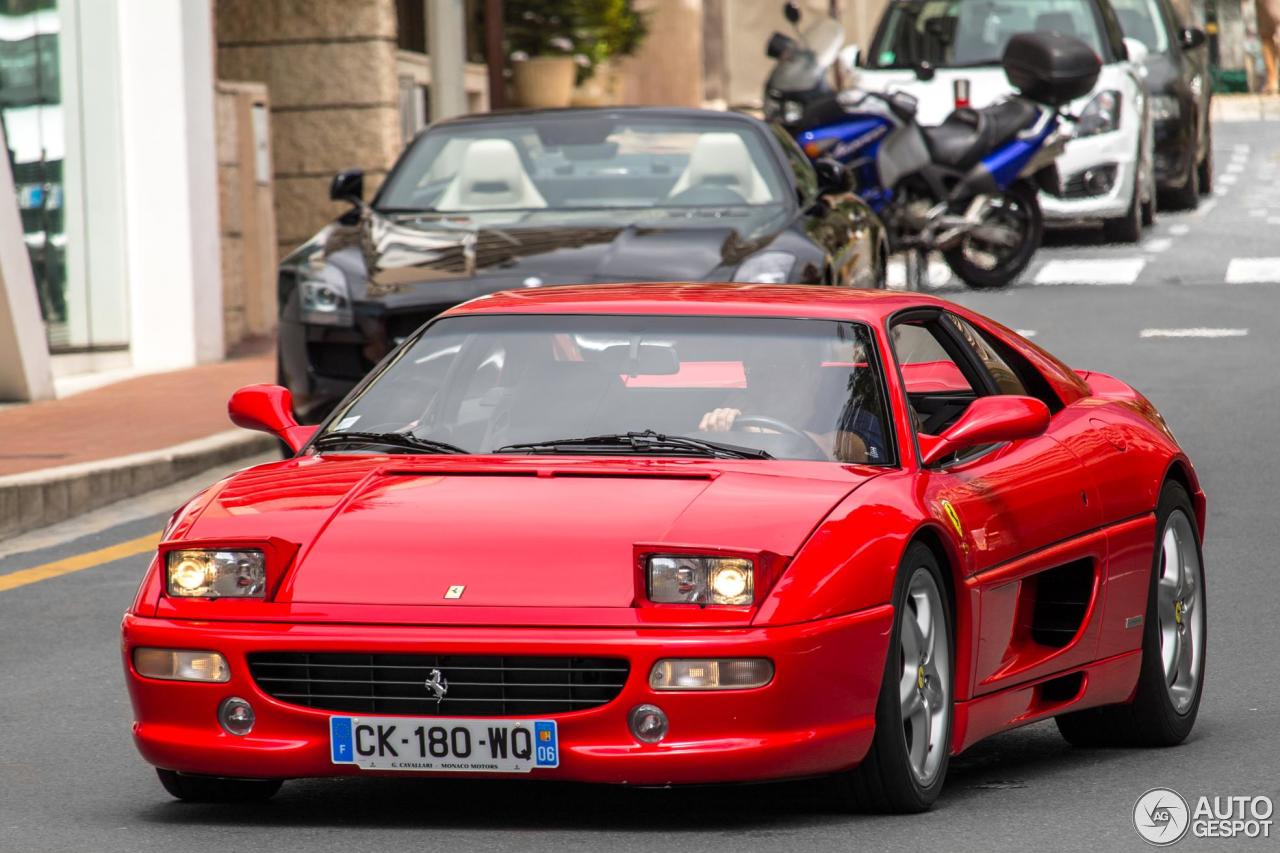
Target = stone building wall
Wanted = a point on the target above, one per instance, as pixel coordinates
(330, 69)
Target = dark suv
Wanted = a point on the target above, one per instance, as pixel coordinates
(1179, 86)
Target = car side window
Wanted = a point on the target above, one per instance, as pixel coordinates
(937, 388)
(1002, 375)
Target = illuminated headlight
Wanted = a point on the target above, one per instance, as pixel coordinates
(677, 579)
(217, 574)
(1165, 107)
(722, 674)
(1102, 115)
(766, 268)
(179, 665)
(323, 297)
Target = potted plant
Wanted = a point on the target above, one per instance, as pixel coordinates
(552, 46)
(542, 50)
(606, 29)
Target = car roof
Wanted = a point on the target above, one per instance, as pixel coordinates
(700, 298)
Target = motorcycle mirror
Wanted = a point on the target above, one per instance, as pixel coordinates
(777, 46)
(925, 71)
(792, 12)
(833, 176)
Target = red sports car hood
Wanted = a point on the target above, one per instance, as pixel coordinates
(535, 532)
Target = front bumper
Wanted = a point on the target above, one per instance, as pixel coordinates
(1118, 148)
(816, 716)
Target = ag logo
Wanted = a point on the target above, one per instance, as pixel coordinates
(1161, 817)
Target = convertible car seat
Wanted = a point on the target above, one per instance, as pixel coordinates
(722, 160)
(968, 135)
(491, 177)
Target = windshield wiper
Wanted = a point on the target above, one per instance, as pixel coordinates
(390, 439)
(648, 441)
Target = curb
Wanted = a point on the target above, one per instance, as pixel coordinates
(36, 499)
(1244, 107)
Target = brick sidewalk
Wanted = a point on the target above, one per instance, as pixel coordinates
(145, 413)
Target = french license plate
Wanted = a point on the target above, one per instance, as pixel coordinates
(439, 744)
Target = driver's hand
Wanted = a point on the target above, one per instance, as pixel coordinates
(719, 420)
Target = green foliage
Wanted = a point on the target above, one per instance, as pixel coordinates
(592, 31)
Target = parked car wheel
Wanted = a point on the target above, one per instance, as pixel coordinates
(1167, 699)
(1187, 196)
(907, 763)
(1127, 228)
(1205, 169)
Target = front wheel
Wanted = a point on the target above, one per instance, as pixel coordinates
(907, 763)
(999, 250)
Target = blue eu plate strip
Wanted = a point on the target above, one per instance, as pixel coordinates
(340, 740)
(547, 746)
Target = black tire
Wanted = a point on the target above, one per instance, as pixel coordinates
(1150, 719)
(884, 782)
(1127, 228)
(1012, 266)
(216, 789)
(1204, 169)
(1187, 196)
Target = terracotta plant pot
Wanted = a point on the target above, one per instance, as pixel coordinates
(544, 81)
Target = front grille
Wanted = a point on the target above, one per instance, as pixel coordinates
(478, 686)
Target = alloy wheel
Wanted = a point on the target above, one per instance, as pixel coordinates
(1179, 608)
(924, 688)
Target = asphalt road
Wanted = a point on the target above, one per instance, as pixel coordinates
(70, 779)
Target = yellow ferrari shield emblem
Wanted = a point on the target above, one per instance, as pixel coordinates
(952, 516)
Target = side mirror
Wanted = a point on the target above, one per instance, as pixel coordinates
(1192, 37)
(348, 185)
(988, 420)
(834, 177)
(778, 46)
(268, 408)
(1136, 49)
(792, 12)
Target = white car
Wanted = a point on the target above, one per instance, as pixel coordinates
(947, 54)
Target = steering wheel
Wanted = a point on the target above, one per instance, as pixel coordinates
(764, 422)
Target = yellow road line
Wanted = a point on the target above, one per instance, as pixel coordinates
(79, 562)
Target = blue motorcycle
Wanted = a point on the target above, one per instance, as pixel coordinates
(968, 187)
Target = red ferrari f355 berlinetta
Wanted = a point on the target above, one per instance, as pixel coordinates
(663, 534)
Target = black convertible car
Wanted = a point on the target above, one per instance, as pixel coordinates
(540, 198)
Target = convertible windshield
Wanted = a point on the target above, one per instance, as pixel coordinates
(965, 33)
(548, 168)
(716, 387)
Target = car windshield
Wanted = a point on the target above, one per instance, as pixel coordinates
(969, 33)
(1141, 20)
(684, 386)
(600, 167)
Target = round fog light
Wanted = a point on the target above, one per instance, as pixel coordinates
(236, 716)
(648, 723)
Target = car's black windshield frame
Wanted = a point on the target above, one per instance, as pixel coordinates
(875, 360)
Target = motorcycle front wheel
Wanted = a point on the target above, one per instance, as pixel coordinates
(1000, 248)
